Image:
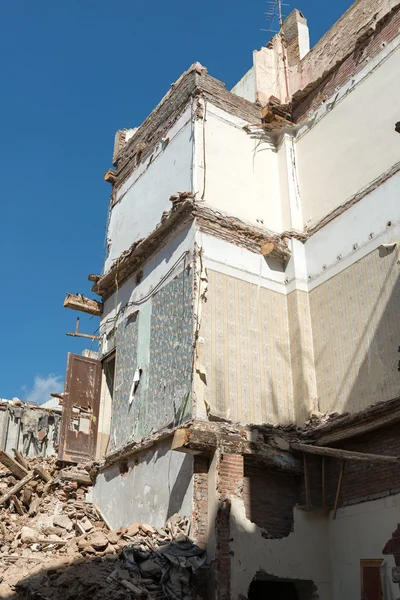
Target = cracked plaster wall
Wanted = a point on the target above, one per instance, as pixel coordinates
(303, 554)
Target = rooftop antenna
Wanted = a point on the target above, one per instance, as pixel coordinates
(274, 19)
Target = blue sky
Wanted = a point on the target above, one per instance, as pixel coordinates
(72, 74)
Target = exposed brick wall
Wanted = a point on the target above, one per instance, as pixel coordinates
(385, 32)
(200, 499)
(363, 480)
(229, 484)
(230, 471)
(269, 497)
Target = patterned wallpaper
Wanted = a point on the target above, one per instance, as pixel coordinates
(122, 417)
(271, 358)
(246, 352)
(163, 395)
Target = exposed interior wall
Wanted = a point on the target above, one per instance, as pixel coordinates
(153, 374)
(362, 481)
(263, 491)
(144, 196)
(240, 175)
(327, 321)
(155, 485)
(302, 358)
(302, 555)
(356, 334)
(105, 411)
(266, 77)
(33, 431)
(361, 532)
(246, 87)
(358, 141)
(354, 287)
(340, 40)
(246, 352)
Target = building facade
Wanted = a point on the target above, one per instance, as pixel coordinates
(249, 304)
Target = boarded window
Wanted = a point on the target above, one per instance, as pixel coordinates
(371, 582)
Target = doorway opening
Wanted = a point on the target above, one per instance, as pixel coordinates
(268, 587)
(109, 372)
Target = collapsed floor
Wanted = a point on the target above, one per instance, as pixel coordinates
(55, 544)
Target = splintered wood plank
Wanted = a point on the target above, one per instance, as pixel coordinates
(43, 474)
(16, 488)
(16, 469)
(20, 459)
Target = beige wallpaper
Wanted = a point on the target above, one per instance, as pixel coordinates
(246, 353)
(272, 358)
(356, 333)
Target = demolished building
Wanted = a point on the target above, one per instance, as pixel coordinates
(32, 430)
(248, 376)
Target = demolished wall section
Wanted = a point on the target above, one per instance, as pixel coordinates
(154, 348)
(357, 24)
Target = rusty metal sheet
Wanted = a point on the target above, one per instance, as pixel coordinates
(81, 406)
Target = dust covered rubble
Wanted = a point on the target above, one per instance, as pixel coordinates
(56, 545)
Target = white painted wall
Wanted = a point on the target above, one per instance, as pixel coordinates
(246, 87)
(241, 173)
(349, 235)
(353, 141)
(145, 195)
(304, 554)
(154, 271)
(239, 262)
(160, 485)
(324, 550)
(361, 531)
(266, 77)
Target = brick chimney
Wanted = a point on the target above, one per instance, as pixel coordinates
(296, 37)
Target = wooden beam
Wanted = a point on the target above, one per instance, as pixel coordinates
(43, 474)
(18, 505)
(80, 478)
(181, 443)
(345, 454)
(206, 438)
(20, 458)
(16, 469)
(339, 487)
(83, 304)
(110, 176)
(16, 488)
(382, 415)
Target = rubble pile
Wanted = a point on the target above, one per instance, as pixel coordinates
(55, 544)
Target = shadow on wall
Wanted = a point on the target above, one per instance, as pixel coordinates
(357, 334)
(181, 485)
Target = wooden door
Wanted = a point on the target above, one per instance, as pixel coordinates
(371, 582)
(81, 405)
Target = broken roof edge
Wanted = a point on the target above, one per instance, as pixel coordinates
(348, 425)
(267, 443)
(367, 30)
(192, 82)
(198, 436)
(186, 209)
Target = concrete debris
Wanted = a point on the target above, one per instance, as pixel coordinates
(63, 549)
